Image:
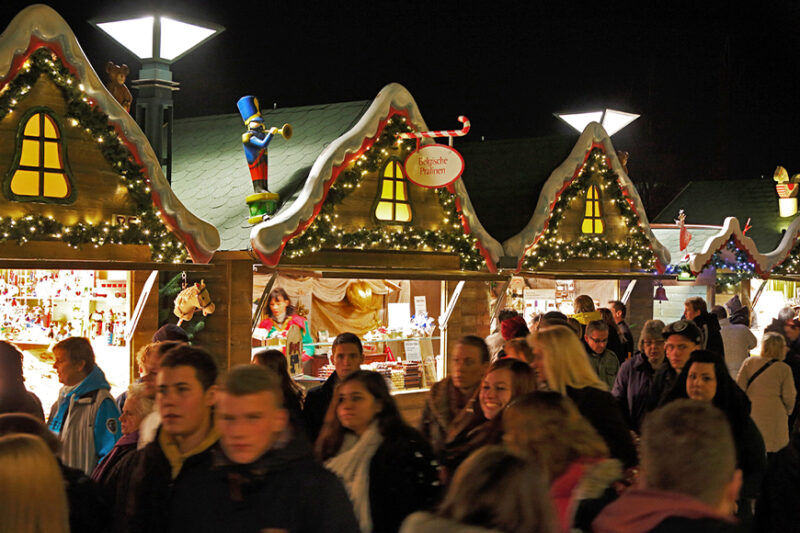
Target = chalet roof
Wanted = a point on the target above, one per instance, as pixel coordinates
(41, 24)
(711, 202)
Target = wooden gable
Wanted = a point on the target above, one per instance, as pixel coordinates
(593, 224)
(349, 218)
(99, 195)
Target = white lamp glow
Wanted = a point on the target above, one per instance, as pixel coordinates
(134, 34)
(158, 37)
(177, 38)
(611, 119)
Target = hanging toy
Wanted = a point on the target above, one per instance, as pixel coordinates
(192, 298)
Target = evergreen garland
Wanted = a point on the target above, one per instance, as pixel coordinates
(637, 248)
(147, 229)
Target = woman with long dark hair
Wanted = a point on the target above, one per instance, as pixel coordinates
(705, 377)
(386, 466)
(281, 314)
(14, 397)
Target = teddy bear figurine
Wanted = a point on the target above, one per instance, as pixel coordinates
(116, 84)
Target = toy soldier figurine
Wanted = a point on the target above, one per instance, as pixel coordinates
(255, 141)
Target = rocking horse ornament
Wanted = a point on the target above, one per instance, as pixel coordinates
(193, 298)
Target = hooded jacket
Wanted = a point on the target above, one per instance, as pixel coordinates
(632, 389)
(86, 419)
(649, 510)
(283, 490)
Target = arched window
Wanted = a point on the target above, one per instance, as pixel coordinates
(393, 204)
(40, 172)
(592, 221)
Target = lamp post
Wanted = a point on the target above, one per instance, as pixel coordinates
(158, 41)
(611, 119)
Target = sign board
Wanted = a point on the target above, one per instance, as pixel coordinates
(294, 350)
(434, 166)
(413, 350)
(420, 305)
(399, 316)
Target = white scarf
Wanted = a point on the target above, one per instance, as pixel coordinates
(352, 467)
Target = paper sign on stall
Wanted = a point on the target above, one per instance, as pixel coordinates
(420, 305)
(413, 350)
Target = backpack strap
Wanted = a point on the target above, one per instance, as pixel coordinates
(758, 372)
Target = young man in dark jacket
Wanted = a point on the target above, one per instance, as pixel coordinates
(259, 477)
(696, 310)
(681, 339)
(346, 356)
(689, 478)
(185, 395)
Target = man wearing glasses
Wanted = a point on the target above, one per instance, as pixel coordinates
(635, 377)
(603, 360)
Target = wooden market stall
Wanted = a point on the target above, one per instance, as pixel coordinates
(86, 214)
(587, 232)
(352, 236)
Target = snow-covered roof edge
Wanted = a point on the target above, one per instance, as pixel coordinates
(269, 237)
(592, 134)
(44, 23)
(732, 229)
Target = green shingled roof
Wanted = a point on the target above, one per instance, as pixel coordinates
(710, 202)
(210, 174)
(504, 178)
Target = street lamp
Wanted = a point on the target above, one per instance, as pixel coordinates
(158, 41)
(611, 119)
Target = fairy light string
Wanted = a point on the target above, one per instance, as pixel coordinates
(326, 232)
(147, 228)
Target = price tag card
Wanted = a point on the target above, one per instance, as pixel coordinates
(420, 305)
(413, 350)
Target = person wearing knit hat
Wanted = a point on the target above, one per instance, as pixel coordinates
(514, 327)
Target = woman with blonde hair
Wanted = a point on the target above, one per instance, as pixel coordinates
(561, 362)
(767, 381)
(492, 491)
(32, 495)
(548, 427)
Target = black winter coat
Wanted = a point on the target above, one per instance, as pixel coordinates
(284, 490)
(402, 480)
(601, 409)
(712, 338)
(88, 510)
(316, 405)
(777, 509)
(152, 488)
(677, 524)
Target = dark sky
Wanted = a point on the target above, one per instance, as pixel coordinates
(717, 86)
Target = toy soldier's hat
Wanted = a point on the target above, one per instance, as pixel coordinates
(248, 108)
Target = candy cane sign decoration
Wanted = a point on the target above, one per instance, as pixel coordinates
(435, 165)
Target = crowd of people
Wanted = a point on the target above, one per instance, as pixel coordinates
(556, 426)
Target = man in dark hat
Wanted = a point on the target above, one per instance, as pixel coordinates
(681, 339)
(170, 332)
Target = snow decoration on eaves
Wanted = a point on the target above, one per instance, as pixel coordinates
(592, 135)
(269, 237)
(40, 22)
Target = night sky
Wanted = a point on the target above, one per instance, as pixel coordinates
(717, 87)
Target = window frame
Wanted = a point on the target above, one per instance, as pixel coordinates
(403, 179)
(62, 150)
(596, 207)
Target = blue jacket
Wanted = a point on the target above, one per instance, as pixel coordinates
(86, 419)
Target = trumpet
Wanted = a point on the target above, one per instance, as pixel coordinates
(285, 131)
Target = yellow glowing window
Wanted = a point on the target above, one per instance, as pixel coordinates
(592, 220)
(393, 204)
(40, 172)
